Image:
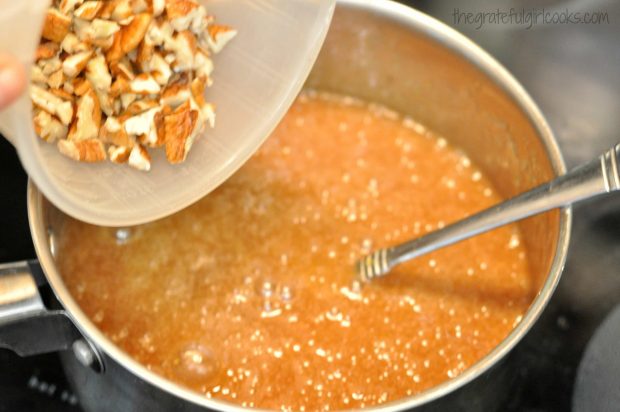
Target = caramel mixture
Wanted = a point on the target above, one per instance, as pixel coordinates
(249, 295)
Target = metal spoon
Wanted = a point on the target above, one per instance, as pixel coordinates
(596, 177)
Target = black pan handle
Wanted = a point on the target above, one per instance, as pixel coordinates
(27, 326)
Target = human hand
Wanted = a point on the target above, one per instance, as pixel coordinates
(12, 79)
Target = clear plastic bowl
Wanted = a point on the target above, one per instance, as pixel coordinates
(256, 78)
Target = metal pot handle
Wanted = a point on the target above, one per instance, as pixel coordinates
(27, 327)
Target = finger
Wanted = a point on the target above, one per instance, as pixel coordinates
(12, 79)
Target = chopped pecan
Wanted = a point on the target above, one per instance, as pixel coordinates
(113, 132)
(177, 92)
(106, 102)
(67, 6)
(49, 66)
(120, 86)
(89, 9)
(63, 94)
(90, 150)
(207, 110)
(87, 118)
(160, 32)
(148, 126)
(104, 44)
(98, 29)
(98, 74)
(118, 106)
(139, 158)
(180, 128)
(47, 50)
(68, 87)
(72, 44)
(52, 104)
(56, 25)
(119, 154)
(157, 7)
(160, 69)
(116, 10)
(146, 49)
(140, 106)
(103, 29)
(219, 36)
(115, 52)
(182, 13)
(37, 76)
(144, 84)
(203, 66)
(122, 68)
(133, 34)
(48, 127)
(127, 99)
(74, 64)
(111, 73)
(80, 87)
(185, 47)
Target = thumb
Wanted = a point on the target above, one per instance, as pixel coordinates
(12, 79)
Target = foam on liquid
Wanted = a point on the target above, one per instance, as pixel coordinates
(249, 295)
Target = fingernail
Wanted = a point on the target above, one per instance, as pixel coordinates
(9, 79)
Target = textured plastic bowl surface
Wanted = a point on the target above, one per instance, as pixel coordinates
(256, 78)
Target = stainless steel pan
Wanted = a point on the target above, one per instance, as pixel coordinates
(379, 51)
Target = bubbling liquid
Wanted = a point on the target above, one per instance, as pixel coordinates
(249, 295)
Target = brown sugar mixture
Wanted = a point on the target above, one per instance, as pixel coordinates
(249, 295)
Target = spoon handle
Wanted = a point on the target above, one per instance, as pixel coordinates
(598, 176)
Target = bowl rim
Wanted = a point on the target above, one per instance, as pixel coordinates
(460, 45)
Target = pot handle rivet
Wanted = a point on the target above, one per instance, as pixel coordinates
(87, 355)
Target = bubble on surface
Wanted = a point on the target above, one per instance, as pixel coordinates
(270, 311)
(286, 293)
(267, 289)
(353, 292)
(196, 363)
(123, 235)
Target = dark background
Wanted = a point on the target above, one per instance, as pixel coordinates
(572, 72)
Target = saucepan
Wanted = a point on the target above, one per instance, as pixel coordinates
(382, 52)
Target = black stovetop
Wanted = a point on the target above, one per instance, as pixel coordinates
(571, 71)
